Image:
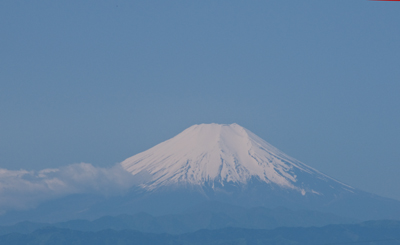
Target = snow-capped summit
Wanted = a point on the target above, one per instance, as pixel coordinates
(222, 153)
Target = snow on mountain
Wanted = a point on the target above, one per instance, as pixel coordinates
(220, 153)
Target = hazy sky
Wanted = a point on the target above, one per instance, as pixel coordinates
(99, 81)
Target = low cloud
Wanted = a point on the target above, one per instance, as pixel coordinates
(22, 189)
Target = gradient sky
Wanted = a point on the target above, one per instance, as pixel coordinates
(99, 81)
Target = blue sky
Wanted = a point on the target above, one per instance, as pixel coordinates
(99, 81)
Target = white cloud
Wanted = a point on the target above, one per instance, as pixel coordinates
(22, 189)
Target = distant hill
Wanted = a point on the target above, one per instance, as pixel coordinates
(374, 232)
(212, 215)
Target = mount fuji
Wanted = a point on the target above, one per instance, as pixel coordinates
(228, 163)
(216, 167)
(217, 155)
